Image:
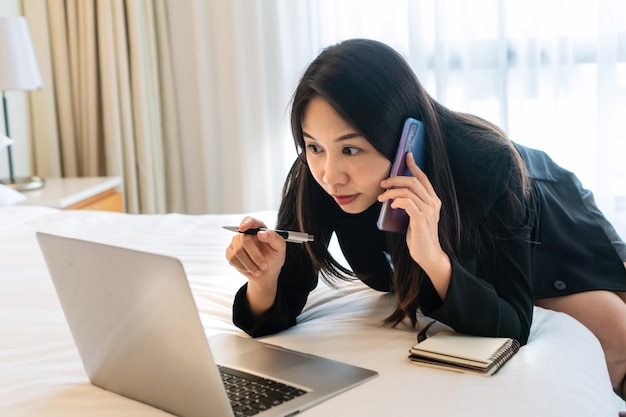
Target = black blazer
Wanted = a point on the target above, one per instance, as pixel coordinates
(575, 248)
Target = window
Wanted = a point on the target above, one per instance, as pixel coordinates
(551, 73)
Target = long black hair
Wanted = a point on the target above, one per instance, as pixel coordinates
(374, 90)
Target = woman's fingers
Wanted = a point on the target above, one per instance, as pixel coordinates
(256, 255)
(405, 188)
(416, 188)
(244, 251)
(247, 255)
(420, 175)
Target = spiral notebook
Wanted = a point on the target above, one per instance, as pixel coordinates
(464, 353)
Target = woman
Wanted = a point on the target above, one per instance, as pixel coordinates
(494, 227)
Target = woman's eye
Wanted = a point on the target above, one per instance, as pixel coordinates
(313, 148)
(349, 150)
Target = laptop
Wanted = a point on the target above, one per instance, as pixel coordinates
(138, 332)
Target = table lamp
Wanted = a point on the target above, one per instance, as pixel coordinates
(19, 72)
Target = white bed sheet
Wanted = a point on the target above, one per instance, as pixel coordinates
(561, 372)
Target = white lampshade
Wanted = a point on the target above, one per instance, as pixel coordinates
(18, 63)
(18, 71)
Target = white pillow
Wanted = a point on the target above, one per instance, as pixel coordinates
(10, 197)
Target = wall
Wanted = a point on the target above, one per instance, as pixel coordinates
(19, 118)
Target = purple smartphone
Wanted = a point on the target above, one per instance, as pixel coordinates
(412, 140)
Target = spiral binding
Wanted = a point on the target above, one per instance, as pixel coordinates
(505, 353)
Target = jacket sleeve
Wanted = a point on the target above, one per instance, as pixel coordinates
(492, 295)
(296, 280)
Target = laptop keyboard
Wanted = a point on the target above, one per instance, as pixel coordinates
(250, 394)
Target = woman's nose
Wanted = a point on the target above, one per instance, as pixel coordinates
(334, 172)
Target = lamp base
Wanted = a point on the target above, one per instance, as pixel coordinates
(24, 184)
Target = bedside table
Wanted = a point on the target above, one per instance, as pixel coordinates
(85, 193)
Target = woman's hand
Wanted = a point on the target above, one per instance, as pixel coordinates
(418, 198)
(260, 258)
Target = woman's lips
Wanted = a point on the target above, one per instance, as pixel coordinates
(342, 200)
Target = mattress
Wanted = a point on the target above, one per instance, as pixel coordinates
(560, 372)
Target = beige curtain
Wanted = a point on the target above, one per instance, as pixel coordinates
(103, 110)
(185, 100)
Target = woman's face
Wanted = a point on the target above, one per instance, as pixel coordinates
(342, 161)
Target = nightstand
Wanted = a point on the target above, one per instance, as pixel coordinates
(85, 193)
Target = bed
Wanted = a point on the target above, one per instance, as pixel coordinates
(561, 372)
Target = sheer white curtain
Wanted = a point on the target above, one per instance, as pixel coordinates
(234, 63)
(552, 73)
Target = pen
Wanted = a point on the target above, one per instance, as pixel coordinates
(289, 236)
